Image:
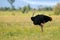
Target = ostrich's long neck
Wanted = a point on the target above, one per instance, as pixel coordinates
(33, 13)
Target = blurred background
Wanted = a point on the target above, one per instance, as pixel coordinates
(16, 24)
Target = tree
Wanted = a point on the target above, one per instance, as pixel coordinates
(57, 9)
(43, 8)
(26, 8)
(11, 3)
(4, 8)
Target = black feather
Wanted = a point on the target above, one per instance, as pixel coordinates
(38, 19)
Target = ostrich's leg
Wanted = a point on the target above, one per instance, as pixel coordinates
(41, 26)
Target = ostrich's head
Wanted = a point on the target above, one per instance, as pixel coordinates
(32, 18)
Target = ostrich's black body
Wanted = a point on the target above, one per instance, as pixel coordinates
(38, 19)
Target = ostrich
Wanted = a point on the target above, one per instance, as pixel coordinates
(40, 20)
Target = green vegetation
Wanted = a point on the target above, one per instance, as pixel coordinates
(57, 9)
(27, 8)
(17, 25)
(14, 25)
(19, 13)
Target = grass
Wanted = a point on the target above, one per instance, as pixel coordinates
(20, 27)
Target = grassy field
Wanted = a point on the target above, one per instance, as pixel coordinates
(18, 26)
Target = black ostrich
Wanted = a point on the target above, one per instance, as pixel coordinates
(40, 20)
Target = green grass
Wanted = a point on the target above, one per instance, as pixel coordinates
(20, 27)
(19, 13)
(13, 31)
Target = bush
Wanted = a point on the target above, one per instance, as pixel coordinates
(57, 9)
(25, 9)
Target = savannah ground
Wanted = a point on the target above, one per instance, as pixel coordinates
(17, 26)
